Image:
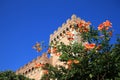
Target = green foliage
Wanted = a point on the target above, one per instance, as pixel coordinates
(10, 75)
(99, 63)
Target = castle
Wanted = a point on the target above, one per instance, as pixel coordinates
(28, 70)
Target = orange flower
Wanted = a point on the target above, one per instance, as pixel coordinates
(39, 49)
(49, 50)
(84, 26)
(100, 27)
(107, 23)
(37, 65)
(69, 62)
(84, 30)
(76, 61)
(45, 71)
(89, 46)
(70, 39)
(87, 24)
(58, 54)
(69, 34)
(82, 23)
(54, 50)
(37, 44)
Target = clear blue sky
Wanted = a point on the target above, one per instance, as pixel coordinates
(23, 22)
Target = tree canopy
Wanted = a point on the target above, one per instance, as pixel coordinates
(10, 75)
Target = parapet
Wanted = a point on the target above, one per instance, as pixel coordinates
(63, 29)
(27, 68)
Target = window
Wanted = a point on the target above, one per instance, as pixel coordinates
(51, 41)
(29, 70)
(67, 29)
(64, 32)
(25, 72)
(70, 26)
(57, 37)
(32, 68)
(60, 34)
(54, 39)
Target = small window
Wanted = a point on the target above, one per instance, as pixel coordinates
(64, 32)
(70, 26)
(52, 41)
(60, 34)
(26, 72)
(32, 68)
(29, 70)
(57, 37)
(67, 29)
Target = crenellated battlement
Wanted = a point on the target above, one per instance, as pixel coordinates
(61, 32)
(29, 67)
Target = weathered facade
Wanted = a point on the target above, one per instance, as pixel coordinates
(58, 36)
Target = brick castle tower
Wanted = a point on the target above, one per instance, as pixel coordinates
(59, 35)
